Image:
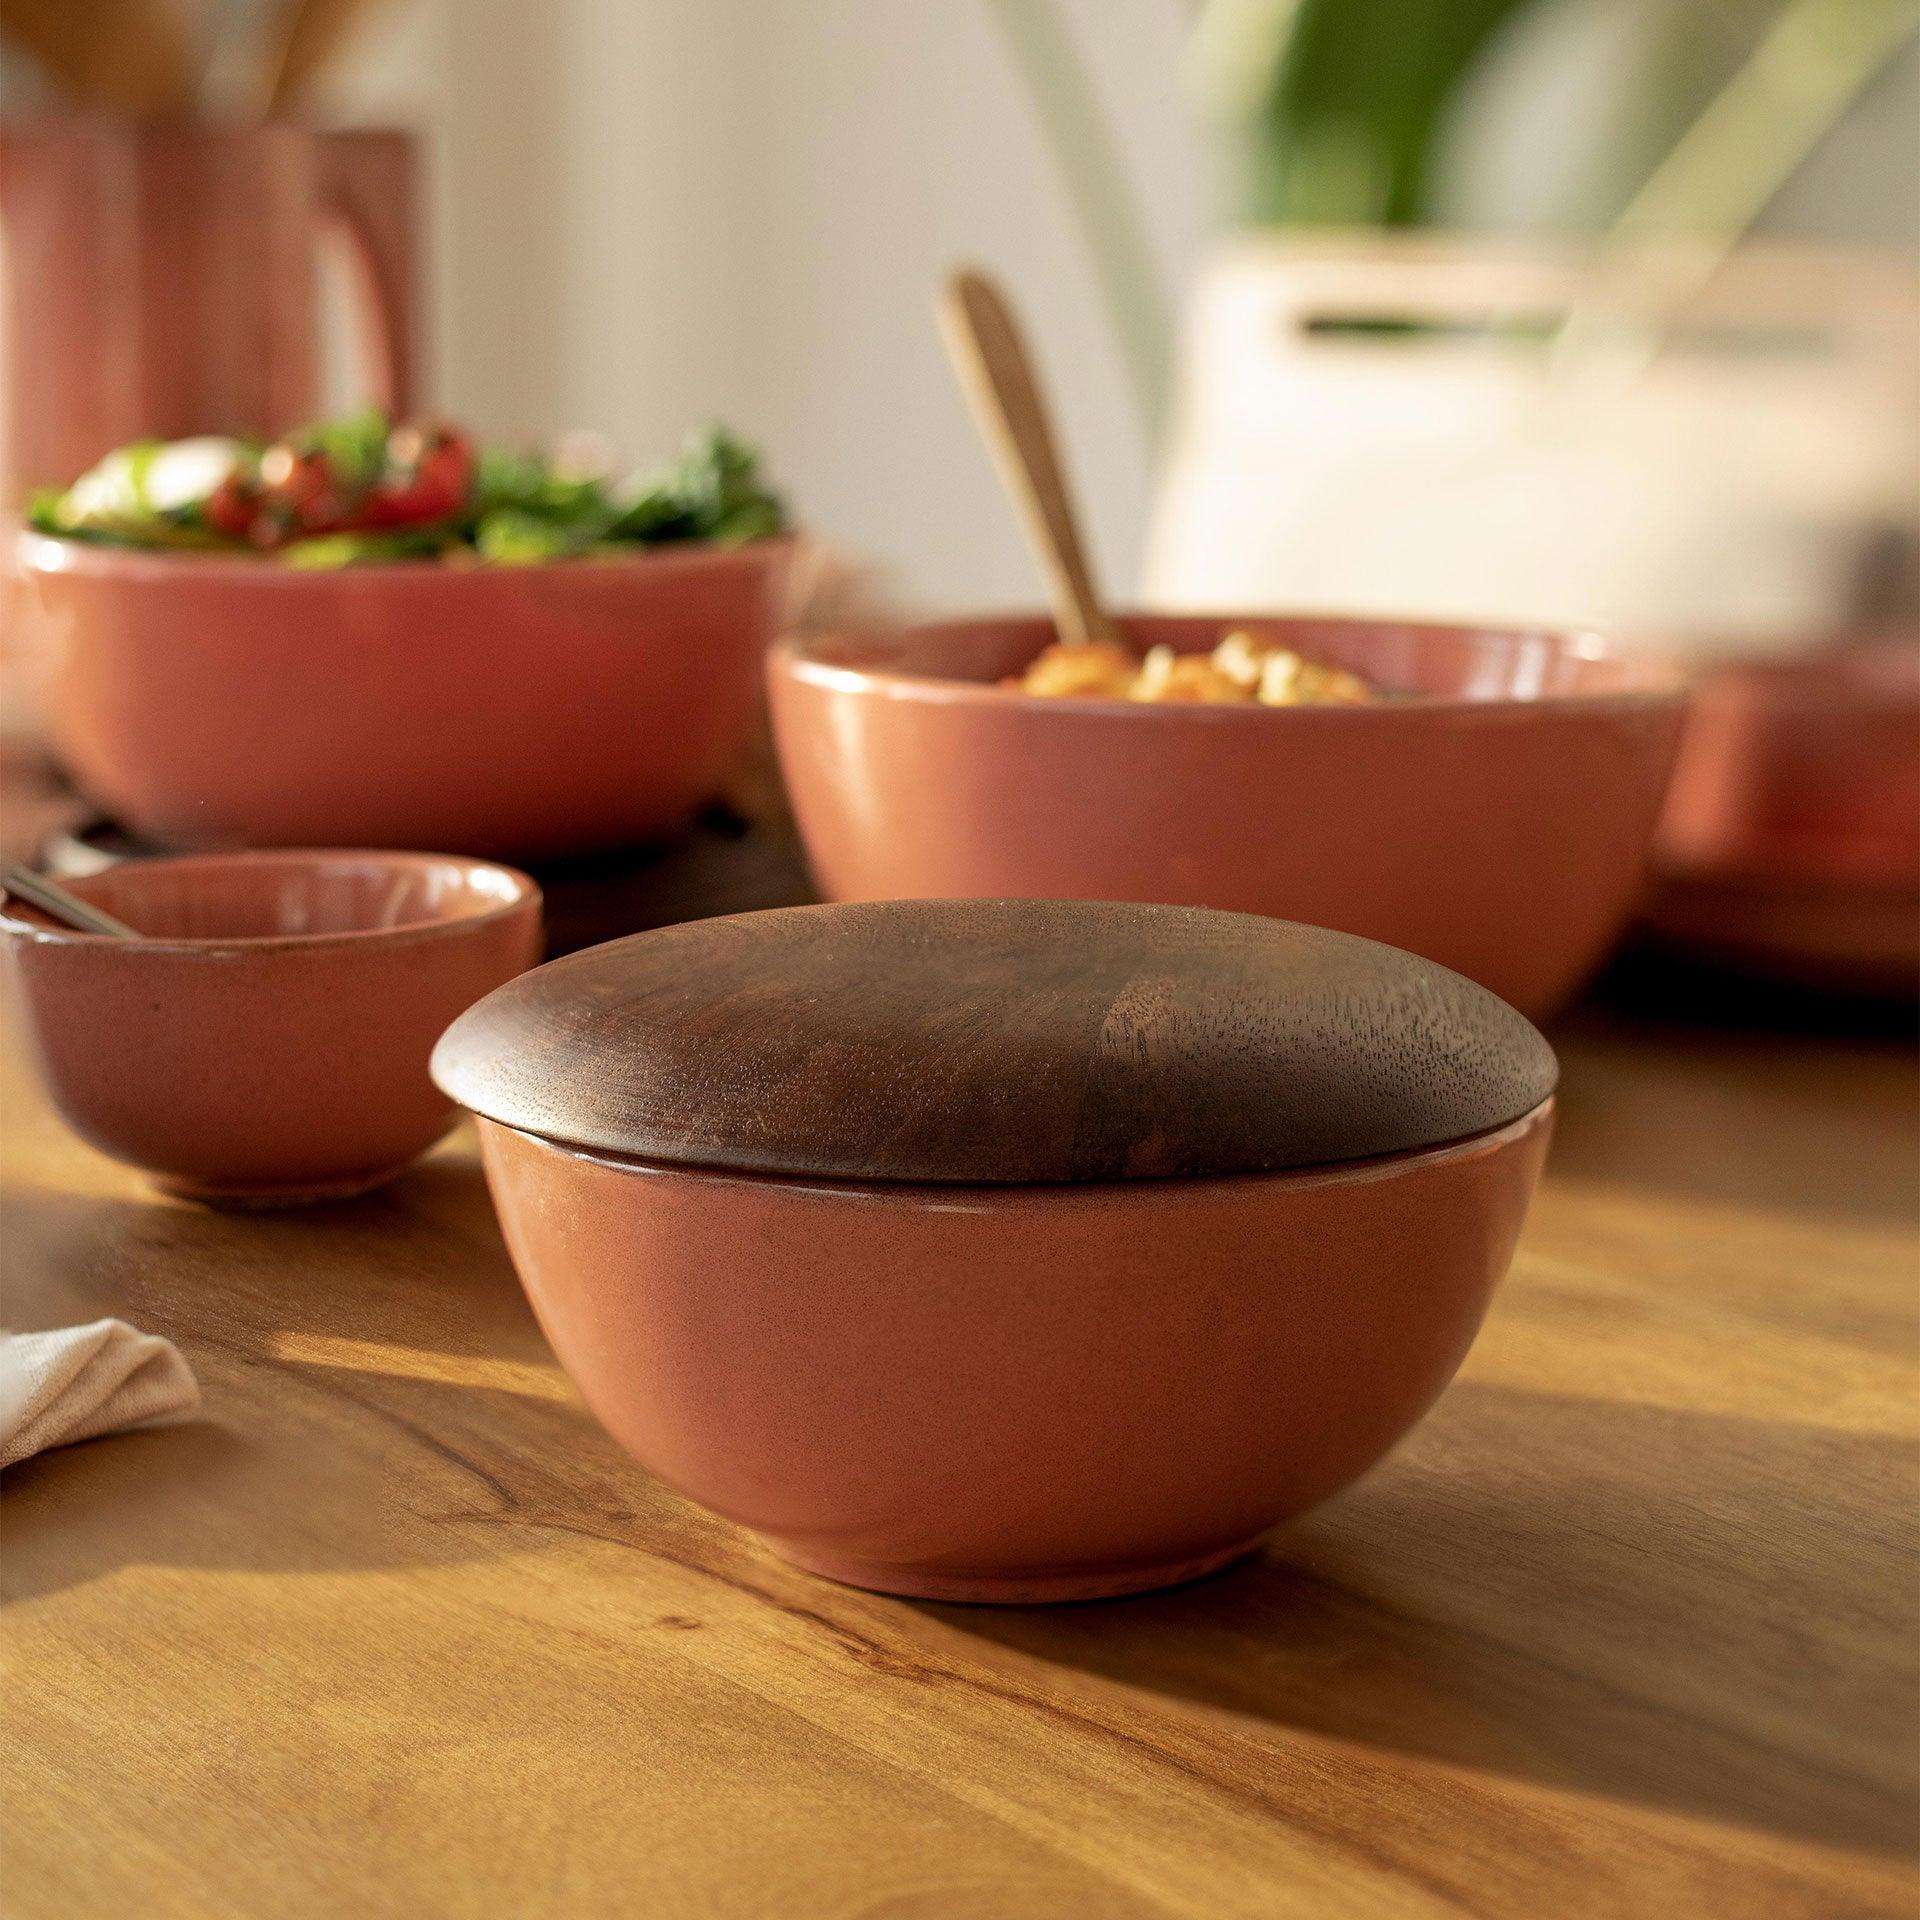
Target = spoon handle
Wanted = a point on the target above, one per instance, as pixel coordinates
(24, 884)
(997, 375)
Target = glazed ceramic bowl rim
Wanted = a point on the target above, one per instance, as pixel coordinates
(525, 894)
(1658, 682)
(957, 1196)
(51, 554)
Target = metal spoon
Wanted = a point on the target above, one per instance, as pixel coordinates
(20, 881)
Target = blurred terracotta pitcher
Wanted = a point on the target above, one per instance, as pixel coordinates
(163, 281)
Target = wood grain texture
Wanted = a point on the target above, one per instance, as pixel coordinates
(1628, 1627)
(1004, 1041)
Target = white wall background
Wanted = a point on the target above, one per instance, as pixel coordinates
(647, 214)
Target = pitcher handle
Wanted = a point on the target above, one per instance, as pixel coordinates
(367, 195)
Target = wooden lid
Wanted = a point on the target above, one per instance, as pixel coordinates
(1001, 1041)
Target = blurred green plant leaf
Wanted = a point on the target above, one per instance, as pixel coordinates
(1340, 112)
(1341, 100)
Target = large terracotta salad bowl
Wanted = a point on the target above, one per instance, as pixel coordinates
(378, 637)
(206, 701)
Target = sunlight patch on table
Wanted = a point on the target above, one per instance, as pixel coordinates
(532, 1380)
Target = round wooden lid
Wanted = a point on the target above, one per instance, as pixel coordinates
(1000, 1041)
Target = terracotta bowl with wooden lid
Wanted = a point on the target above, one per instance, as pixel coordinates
(1495, 815)
(1005, 1250)
(265, 1041)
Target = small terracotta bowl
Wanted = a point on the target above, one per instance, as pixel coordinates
(267, 1041)
(1498, 822)
(210, 701)
(1005, 1250)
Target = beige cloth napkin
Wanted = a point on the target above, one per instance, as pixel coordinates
(77, 1382)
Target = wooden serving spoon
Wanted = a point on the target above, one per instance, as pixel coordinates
(303, 47)
(20, 882)
(998, 378)
(130, 58)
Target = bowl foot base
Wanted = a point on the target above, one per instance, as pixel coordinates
(1014, 1586)
(262, 1199)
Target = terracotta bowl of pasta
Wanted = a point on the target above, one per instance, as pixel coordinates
(1483, 797)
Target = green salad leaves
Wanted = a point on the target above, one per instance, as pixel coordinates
(365, 490)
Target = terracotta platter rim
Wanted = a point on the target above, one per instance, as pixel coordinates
(526, 894)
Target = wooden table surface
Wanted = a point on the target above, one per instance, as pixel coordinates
(1627, 1628)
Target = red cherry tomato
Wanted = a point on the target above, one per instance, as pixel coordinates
(429, 477)
(299, 494)
(232, 505)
